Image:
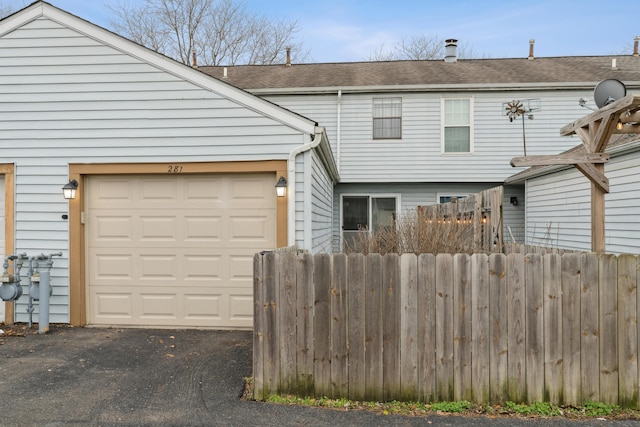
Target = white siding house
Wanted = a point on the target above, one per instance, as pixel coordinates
(417, 132)
(558, 203)
(176, 174)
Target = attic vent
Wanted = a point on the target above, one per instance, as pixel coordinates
(450, 53)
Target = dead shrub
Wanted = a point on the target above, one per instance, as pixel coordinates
(417, 234)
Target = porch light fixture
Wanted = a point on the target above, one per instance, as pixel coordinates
(281, 187)
(619, 125)
(69, 190)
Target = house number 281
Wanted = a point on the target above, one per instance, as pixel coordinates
(174, 169)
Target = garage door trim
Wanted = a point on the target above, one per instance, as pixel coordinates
(77, 261)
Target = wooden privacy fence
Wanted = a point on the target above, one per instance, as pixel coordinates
(484, 328)
(482, 210)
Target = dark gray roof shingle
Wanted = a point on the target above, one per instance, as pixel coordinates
(511, 71)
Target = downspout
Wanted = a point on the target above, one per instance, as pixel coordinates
(326, 157)
(291, 179)
(339, 128)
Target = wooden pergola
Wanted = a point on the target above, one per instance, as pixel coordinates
(595, 130)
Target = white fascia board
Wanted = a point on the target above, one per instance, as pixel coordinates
(159, 61)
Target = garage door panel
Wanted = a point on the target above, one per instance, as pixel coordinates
(111, 266)
(180, 251)
(158, 228)
(112, 228)
(203, 228)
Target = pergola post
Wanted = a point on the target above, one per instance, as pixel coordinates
(595, 130)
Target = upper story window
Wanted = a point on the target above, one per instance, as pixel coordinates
(457, 135)
(387, 118)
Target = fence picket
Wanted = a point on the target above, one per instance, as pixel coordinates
(322, 324)
(552, 277)
(287, 320)
(391, 327)
(516, 362)
(534, 328)
(271, 355)
(258, 327)
(427, 326)
(608, 292)
(480, 333)
(462, 327)
(499, 347)
(356, 288)
(571, 333)
(373, 328)
(304, 325)
(444, 327)
(628, 331)
(339, 346)
(409, 326)
(590, 343)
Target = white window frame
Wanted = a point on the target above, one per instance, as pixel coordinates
(443, 126)
(373, 118)
(369, 208)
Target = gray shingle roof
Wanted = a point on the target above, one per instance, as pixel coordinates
(472, 72)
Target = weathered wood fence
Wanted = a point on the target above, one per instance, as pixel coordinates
(483, 328)
(483, 210)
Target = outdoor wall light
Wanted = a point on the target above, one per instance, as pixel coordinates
(514, 200)
(281, 187)
(69, 190)
(619, 125)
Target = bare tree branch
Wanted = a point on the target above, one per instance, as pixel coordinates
(220, 32)
(418, 47)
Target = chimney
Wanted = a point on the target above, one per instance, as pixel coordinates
(635, 45)
(288, 64)
(450, 47)
(195, 61)
(531, 43)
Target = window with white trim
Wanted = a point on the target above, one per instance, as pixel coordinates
(456, 125)
(387, 118)
(367, 213)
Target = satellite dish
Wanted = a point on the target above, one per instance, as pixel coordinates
(608, 91)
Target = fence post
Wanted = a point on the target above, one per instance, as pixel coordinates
(258, 327)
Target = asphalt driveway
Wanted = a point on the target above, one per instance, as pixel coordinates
(152, 377)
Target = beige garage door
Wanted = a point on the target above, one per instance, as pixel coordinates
(176, 250)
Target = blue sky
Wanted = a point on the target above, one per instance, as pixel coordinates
(350, 30)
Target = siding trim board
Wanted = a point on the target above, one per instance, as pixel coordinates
(77, 255)
(7, 169)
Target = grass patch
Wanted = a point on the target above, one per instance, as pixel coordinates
(464, 408)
